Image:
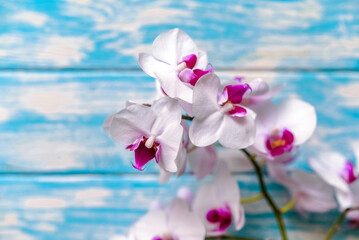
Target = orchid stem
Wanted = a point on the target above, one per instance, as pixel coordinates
(277, 212)
(230, 237)
(186, 117)
(288, 206)
(337, 223)
(192, 149)
(252, 199)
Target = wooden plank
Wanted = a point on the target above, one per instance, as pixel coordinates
(314, 34)
(52, 121)
(98, 207)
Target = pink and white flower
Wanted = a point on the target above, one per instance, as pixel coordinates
(202, 161)
(282, 128)
(175, 222)
(221, 116)
(309, 192)
(260, 92)
(343, 175)
(176, 63)
(151, 132)
(218, 203)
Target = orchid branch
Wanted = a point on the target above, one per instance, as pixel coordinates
(337, 223)
(186, 117)
(252, 199)
(230, 237)
(277, 212)
(287, 207)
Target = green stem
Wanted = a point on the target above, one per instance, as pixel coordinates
(252, 199)
(185, 117)
(337, 223)
(288, 206)
(275, 209)
(231, 237)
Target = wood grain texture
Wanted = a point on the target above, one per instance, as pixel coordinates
(52, 121)
(98, 207)
(66, 65)
(314, 34)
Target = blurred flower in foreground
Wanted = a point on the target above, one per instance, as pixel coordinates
(175, 222)
(308, 191)
(343, 176)
(218, 203)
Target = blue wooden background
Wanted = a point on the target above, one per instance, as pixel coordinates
(66, 65)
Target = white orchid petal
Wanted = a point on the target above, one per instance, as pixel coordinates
(131, 123)
(204, 132)
(329, 170)
(297, 116)
(205, 200)
(173, 86)
(355, 147)
(202, 60)
(168, 112)
(237, 132)
(150, 65)
(259, 87)
(205, 94)
(228, 190)
(171, 46)
(344, 198)
(239, 223)
(236, 160)
(184, 224)
(107, 124)
(202, 161)
(144, 229)
(170, 141)
(164, 176)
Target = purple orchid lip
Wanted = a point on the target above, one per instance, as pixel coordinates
(187, 74)
(280, 142)
(190, 60)
(233, 94)
(238, 79)
(348, 174)
(143, 153)
(221, 216)
(165, 237)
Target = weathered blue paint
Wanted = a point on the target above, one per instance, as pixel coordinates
(98, 207)
(237, 34)
(61, 177)
(54, 119)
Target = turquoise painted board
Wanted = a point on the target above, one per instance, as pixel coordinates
(52, 121)
(236, 34)
(66, 65)
(99, 207)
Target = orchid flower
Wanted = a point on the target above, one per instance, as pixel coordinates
(151, 132)
(260, 92)
(343, 175)
(220, 116)
(202, 161)
(175, 222)
(309, 192)
(218, 203)
(176, 63)
(282, 128)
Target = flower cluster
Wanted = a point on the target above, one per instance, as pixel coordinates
(202, 122)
